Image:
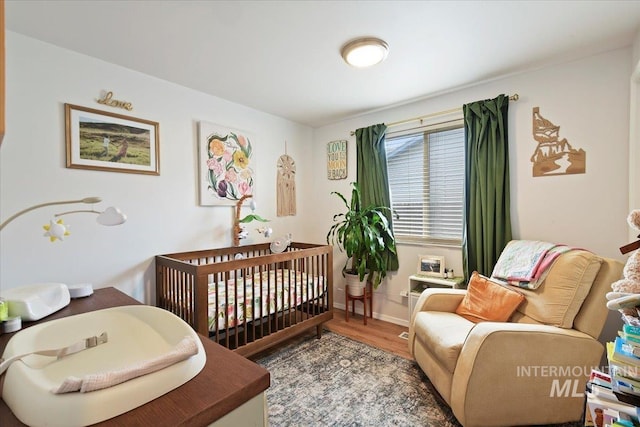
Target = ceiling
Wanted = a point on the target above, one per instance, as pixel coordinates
(283, 57)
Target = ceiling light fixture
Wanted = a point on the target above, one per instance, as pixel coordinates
(365, 52)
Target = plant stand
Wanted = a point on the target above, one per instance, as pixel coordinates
(367, 297)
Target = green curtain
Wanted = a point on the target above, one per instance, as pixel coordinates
(487, 225)
(372, 175)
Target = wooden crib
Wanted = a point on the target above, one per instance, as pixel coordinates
(247, 298)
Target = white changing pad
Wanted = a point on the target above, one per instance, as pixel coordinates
(136, 333)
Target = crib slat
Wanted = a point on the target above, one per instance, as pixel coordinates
(305, 289)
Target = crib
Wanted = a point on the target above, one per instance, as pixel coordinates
(247, 298)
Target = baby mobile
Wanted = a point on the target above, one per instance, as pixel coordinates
(286, 184)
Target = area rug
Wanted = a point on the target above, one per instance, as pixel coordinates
(336, 381)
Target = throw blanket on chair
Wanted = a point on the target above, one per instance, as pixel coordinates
(525, 263)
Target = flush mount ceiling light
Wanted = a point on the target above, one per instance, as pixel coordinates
(365, 52)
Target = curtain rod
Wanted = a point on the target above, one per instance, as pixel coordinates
(513, 97)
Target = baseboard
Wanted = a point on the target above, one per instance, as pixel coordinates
(383, 317)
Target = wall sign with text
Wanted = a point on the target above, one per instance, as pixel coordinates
(337, 159)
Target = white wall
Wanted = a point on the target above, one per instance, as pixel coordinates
(588, 99)
(163, 211)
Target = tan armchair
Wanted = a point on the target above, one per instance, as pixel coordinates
(529, 371)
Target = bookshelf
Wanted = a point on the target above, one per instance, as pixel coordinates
(613, 397)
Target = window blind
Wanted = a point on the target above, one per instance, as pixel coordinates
(426, 182)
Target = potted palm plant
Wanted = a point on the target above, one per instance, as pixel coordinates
(363, 232)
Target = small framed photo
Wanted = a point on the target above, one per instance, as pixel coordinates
(431, 265)
(100, 140)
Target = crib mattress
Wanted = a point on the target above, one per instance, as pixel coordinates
(244, 299)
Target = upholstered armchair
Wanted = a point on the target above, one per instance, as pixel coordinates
(530, 370)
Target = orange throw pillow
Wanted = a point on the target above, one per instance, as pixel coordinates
(487, 300)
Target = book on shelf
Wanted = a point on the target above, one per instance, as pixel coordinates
(631, 330)
(613, 398)
(600, 378)
(631, 335)
(603, 402)
(610, 416)
(602, 392)
(625, 378)
(620, 369)
(598, 406)
(625, 375)
(623, 353)
(623, 423)
(627, 393)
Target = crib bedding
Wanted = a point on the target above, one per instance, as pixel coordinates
(187, 283)
(267, 292)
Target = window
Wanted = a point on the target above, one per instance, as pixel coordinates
(426, 182)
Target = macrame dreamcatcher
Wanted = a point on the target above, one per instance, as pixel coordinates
(286, 185)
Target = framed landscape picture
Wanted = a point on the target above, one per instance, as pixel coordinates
(101, 140)
(431, 265)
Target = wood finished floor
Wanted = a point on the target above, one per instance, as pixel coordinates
(377, 333)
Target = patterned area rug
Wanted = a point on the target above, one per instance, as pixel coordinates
(336, 381)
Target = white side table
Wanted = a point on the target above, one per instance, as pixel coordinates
(418, 283)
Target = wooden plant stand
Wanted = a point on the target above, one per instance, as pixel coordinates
(366, 298)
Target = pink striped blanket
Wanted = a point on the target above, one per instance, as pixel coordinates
(525, 263)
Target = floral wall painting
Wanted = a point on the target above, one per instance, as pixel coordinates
(227, 167)
(554, 156)
(100, 140)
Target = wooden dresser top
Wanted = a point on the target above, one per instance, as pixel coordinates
(226, 382)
